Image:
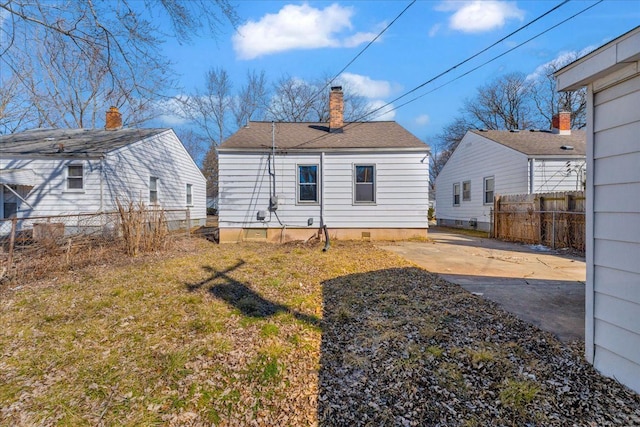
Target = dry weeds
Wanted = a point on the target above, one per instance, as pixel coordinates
(258, 334)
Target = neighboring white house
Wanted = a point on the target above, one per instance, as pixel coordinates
(611, 74)
(493, 162)
(45, 172)
(284, 181)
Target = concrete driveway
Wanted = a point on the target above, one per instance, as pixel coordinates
(540, 286)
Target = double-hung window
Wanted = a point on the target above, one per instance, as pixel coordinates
(466, 191)
(488, 190)
(456, 194)
(153, 189)
(364, 184)
(307, 183)
(75, 177)
(189, 195)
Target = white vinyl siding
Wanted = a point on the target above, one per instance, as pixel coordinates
(475, 158)
(401, 190)
(123, 174)
(558, 175)
(616, 232)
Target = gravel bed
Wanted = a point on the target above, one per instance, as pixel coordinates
(402, 347)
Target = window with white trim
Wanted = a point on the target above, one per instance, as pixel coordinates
(456, 194)
(466, 191)
(189, 195)
(153, 189)
(488, 185)
(364, 184)
(75, 177)
(307, 183)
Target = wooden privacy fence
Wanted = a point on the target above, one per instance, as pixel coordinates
(556, 220)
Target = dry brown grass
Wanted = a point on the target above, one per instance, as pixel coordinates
(259, 334)
(224, 335)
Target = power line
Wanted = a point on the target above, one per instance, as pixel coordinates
(371, 42)
(321, 90)
(360, 119)
(553, 9)
(490, 60)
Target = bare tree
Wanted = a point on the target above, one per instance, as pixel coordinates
(505, 103)
(74, 58)
(296, 100)
(549, 102)
(251, 100)
(209, 109)
(210, 171)
(293, 101)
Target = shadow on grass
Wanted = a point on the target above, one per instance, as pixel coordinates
(240, 296)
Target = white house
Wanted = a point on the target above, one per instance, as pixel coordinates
(45, 172)
(611, 74)
(492, 162)
(285, 181)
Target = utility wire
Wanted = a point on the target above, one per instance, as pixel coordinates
(321, 90)
(553, 9)
(370, 43)
(361, 118)
(490, 60)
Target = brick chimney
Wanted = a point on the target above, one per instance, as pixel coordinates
(336, 109)
(561, 123)
(114, 119)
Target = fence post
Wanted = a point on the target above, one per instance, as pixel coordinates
(496, 216)
(188, 222)
(12, 241)
(553, 229)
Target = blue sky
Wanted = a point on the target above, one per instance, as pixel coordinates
(310, 39)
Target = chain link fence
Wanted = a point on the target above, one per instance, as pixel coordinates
(31, 246)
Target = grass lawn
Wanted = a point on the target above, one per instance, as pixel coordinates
(257, 334)
(223, 334)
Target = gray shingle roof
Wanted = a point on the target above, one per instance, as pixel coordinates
(539, 143)
(71, 142)
(314, 136)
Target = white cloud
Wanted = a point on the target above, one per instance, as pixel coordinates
(172, 111)
(366, 86)
(434, 30)
(562, 59)
(297, 27)
(386, 113)
(423, 120)
(480, 15)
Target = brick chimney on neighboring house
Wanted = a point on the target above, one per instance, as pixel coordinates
(336, 109)
(561, 123)
(114, 119)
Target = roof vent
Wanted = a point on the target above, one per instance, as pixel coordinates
(483, 130)
(514, 130)
(567, 147)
